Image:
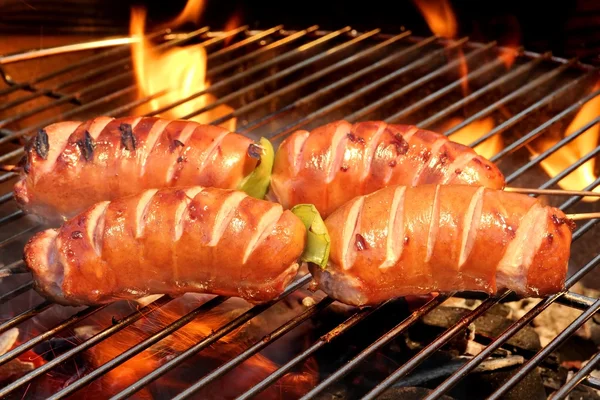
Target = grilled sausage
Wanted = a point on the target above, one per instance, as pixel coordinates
(402, 241)
(339, 161)
(70, 166)
(169, 241)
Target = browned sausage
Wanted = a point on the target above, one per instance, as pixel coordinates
(72, 165)
(169, 241)
(339, 161)
(402, 241)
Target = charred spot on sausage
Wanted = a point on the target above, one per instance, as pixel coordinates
(458, 171)
(560, 221)
(344, 168)
(175, 144)
(128, 140)
(401, 144)
(360, 243)
(425, 155)
(550, 238)
(86, 145)
(254, 151)
(477, 160)
(355, 139)
(392, 163)
(41, 145)
(76, 235)
(181, 159)
(406, 240)
(444, 157)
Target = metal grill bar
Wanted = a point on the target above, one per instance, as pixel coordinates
(135, 350)
(486, 68)
(207, 341)
(25, 315)
(538, 131)
(375, 346)
(15, 292)
(324, 40)
(323, 340)
(419, 82)
(310, 78)
(525, 113)
(257, 68)
(551, 150)
(258, 346)
(366, 89)
(22, 348)
(445, 386)
(130, 319)
(340, 83)
(564, 391)
(545, 352)
(477, 94)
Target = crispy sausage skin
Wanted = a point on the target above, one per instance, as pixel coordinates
(402, 241)
(72, 165)
(169, 241)
(336, 162)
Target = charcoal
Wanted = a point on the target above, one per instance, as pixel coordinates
(490, 325)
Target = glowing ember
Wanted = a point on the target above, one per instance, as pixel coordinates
(570, 153)
(468, 134)
(178, 72)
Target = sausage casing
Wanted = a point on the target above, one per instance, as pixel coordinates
(338, 161)
(169, 241)
(402, 241)
(72, 165)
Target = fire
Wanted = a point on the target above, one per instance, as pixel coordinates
(174, 74)
(191, 13)
(439, 16)
(572, 152)
(442, 22)
(247, 374)
(476, 129)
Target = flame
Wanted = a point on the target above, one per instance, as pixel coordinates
(476, 129)
(572, 152)
(190, 13)
(439, 16)
(178, 72)
(442, 22)
(247, 374)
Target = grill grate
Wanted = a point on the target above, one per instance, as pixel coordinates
(278, 81)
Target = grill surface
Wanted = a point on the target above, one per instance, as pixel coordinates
(278, 81)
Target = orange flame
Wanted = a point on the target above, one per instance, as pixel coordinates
(191, 13)
(439, 16)
(442, 22)
(247, 374)
(572, 152)
(175, 74)
(476, 129)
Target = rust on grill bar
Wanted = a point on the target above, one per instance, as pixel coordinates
(274, 82)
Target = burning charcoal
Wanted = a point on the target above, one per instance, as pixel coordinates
(489, 325)
(14, 369)
(8, 339)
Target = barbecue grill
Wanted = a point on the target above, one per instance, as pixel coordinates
(276, 81)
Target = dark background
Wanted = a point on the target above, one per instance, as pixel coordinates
(567, 28)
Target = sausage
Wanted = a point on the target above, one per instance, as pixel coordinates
(72, 165)
(401, 241)
(169, 241)
(338, 161)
